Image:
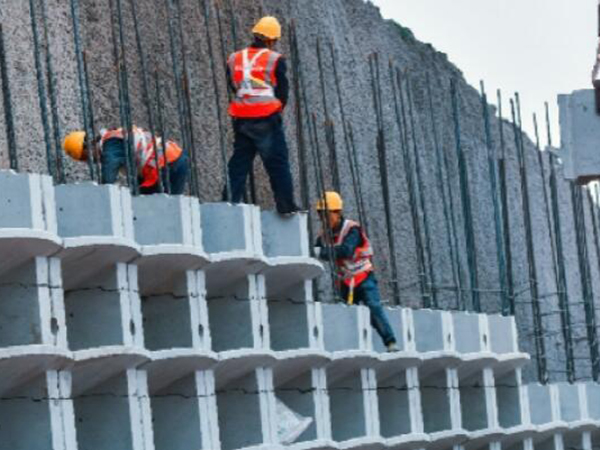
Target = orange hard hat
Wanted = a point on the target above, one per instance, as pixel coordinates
(268, 27)
(74, 145)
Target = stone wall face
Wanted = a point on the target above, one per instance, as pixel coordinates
(356, 29)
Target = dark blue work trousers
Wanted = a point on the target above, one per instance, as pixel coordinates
(114, 157)
(264, 136)
(368, 293)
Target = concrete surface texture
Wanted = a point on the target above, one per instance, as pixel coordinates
(219, 356)
(355, 28)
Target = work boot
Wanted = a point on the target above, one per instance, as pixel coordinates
(392, 347)
(288, 211)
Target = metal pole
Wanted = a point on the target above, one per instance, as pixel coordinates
(451, 238)
(60, 165)
(146, 95)
(41, 90)
(540, 349)
(421, 191)
(8, 115)
(90, 108)
(82, 90)
(383, 171)
(220, 128)
(402, 123)
(509, 308)
(465, 201)
(492, 171)
(162, 130)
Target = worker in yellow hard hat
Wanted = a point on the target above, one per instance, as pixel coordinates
(257, 75)
(110, 149)
(347, 243)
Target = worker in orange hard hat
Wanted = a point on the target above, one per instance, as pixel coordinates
(257, 76)
(110, 148)
(352, 253)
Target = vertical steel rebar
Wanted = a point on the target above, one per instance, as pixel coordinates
(451, 238)
(383, 172)
(221, 130)
(492, 171)
(565, 314)
(7, 102)
(147, 101)
(162, 131)
(41, 91)
(421, 191)
(51, 80)
(538, 332)
(82, 89)
(465, 201)
(90, 108)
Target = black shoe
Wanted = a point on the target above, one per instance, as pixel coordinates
(289, 211)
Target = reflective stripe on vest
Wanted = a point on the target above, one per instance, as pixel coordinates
(143, 145)
(254, 80)
(356, 269)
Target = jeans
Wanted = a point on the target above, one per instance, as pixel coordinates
(368, 293)
(113, 158)
(264, 136)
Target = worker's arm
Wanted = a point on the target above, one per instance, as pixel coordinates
(345, 249)
(282, 89)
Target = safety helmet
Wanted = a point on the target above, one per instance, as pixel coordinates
(74, 145)
(331, 202)
(268, 27)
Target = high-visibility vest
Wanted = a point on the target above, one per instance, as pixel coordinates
(354, 270)
(252, 73)
(143, 145)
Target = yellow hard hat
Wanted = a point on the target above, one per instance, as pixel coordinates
(74, 144)
(331, 202)
(268, 27)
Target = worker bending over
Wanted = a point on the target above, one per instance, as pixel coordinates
(110, 148)
(353, 255)
(257, 76)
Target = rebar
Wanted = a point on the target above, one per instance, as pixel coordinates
(41, 90)
(90, 107)
(221, 131)
(540, 350)
(162, 131)
(465, 201)
(354, 173)
(451, 238)
(509, 308)
(147, 101)
(51, 79)
(401, 120)
(82, 90)
(7, 102)
(421, 191)
(492, 171)
(383, 172)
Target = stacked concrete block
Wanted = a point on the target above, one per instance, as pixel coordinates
(158, 323)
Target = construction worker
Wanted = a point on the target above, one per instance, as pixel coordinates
(346, 242)
(110, 148)
(257, 77)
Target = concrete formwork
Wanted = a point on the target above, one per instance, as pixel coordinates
(158, 331)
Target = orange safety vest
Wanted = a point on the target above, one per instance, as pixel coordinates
(354, 270)
(143, 144)
(252, 73)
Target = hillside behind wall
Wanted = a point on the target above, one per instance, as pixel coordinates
(356, 29)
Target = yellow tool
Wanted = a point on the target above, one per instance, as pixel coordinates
(351, 293)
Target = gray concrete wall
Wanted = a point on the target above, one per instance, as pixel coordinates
(356, 29)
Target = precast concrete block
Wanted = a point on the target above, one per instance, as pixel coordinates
(349, 406)
(232, 237)
(243, 415)
(27, 219)
(168, 230)
(394, 404)
(571, 410)
(32, 322)
(436, 402)
(579, 125)
(502, 334)
(508, 400)
(181, 414)
(475, 411)
(345, 328)
(115, 414)
(577, 440)
(37, 415)
(286, 247)
(96, 225)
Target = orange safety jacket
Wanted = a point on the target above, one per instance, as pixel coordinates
(354, 270)
(253, 76)
(143, 144)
